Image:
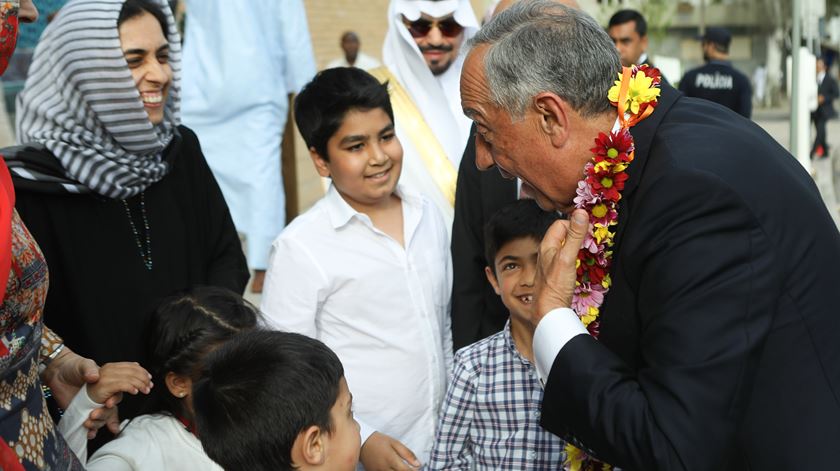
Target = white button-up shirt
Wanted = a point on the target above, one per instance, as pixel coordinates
(383, 308)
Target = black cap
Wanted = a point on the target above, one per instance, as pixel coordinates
(717, 35)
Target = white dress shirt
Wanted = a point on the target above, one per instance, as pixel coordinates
(383, 308)
(363, 61)
(553, 332)
(156, 442)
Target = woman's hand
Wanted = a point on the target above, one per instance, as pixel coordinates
(67, 373)
(65, 376)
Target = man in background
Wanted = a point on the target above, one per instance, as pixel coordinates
(628, 30)
(423, 59)
(717, 80)
(827, 92)
(353, 57)
(242, 60)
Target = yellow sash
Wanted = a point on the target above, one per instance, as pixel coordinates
(434, 157)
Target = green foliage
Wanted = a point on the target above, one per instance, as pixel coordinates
(658, 13)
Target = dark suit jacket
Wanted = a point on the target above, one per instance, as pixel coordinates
(720, 339)
(828, 89)
(477, 311)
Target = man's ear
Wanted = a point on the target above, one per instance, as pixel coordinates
(310, 448)
(553, 114)
(491, 277)
(321, 165)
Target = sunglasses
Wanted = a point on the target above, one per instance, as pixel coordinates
(421, 27)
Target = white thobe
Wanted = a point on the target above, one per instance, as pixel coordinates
(363, 61)
(438, 98)
(241, 61)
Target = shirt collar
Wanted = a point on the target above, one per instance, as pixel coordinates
(512, 346)
(340, 212)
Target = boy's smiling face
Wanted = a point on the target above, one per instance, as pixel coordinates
(513, 280)
(365, 158)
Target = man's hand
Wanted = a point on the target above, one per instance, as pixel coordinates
(383, 453)
(556, 272)
(67, 373)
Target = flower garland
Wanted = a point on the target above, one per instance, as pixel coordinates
(635, 96)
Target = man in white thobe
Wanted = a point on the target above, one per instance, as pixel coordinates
(241, 62)
(422, 56)
(353, 56)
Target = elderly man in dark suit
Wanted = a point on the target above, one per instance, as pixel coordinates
(827, 92)
(718, 345)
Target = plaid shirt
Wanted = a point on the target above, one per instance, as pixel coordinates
(490, 416)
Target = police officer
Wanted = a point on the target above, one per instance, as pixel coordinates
(717, 80)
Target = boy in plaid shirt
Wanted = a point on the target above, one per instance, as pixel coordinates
(490, 416)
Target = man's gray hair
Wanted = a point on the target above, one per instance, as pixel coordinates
(542, 46)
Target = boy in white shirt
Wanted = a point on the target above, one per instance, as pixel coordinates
(367, 269)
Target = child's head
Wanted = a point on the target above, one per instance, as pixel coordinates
(270, 400)
(183, 329)
(511, 243)
(345, 117)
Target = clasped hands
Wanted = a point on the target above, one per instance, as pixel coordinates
(554, 285)
(69, 372)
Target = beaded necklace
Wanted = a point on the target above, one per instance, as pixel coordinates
(145, 252)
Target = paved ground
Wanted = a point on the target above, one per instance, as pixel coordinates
(826, 171)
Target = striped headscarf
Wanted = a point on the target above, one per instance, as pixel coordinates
(81, 103)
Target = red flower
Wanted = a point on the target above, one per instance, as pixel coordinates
(591, 270)
(594, 328)
(607, 185)
(616, 146)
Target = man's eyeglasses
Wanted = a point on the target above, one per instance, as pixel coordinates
(421, 27)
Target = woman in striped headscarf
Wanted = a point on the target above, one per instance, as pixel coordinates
(114, 189)
(30, 353)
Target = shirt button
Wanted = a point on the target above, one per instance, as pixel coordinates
(537, 414)
(532, 455)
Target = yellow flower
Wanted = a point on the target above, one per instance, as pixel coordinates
(607, 281)
(601, 233)
(640, 90)
(574, 457)
(602, 166)
(599, 210)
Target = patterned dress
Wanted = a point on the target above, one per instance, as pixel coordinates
(25, 424)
